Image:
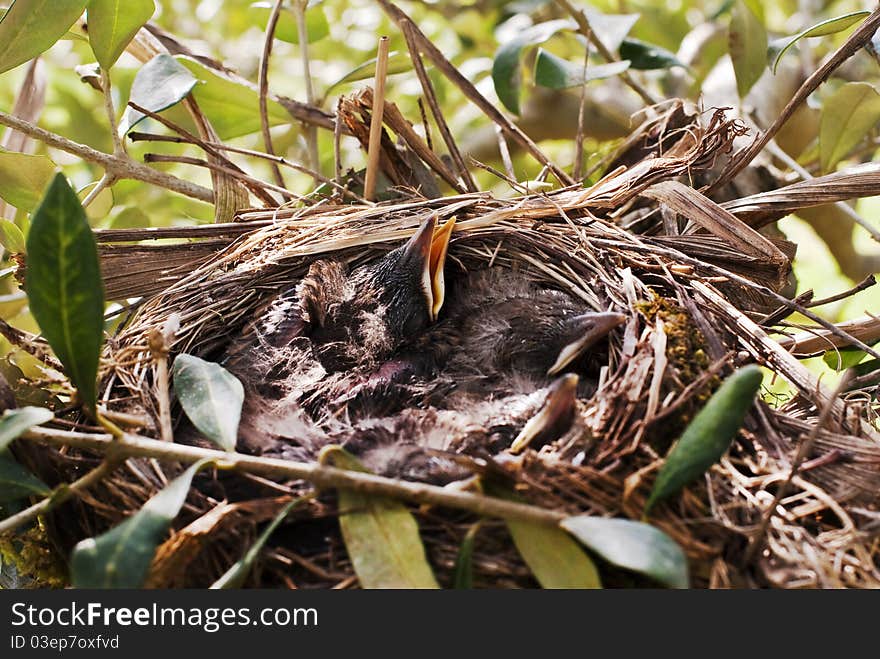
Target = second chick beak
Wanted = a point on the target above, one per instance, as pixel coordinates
(428, 248)
(587, 329)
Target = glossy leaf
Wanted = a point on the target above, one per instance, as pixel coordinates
(506, 74)
(610, 29)
(556, 73)
(843, 358)
(847, 116)
(211, 396)
(708, 435)
(113, 23)
(463, 575)
(633, 546)
(24, 178)
(121, 557)
(821, 29)
(30, 27)
(235, 576)
(14, 422)
(11, 237)
(317, 26)
(554, 558)
(64, 286)
(159, 84)
(232, 107)
(747, 44)
(398, 62)
(381, 535)
(646, 56)
(16, 482)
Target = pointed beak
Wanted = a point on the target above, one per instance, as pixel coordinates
(428, 249)
(586, 330)
(555, 417)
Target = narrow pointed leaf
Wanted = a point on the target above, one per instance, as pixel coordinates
(554, 558)
(506, 74)
(847, 116)
(556, 73)
(747, 44)
(821, 29)
(610, 29)
(30, 27)
(381, 535)
(709, 434)
(398, 62)
(113, 23)
(11, 237)
(14, 422)
(232, 107)
(211, 396)
(121, 557)
(843, 358)
(16, 482)
(647, 56)
(234, 577)
(24, 178)
(633, 546)
(64, 285)
(159, 84)
(463, 575)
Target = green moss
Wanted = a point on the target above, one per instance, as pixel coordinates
(34, 556)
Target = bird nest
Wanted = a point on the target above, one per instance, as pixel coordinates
(701, 289)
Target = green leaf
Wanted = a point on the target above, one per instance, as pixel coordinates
(843, 358)
(64, 286)
(747, 44)
(847, 116)
(23, 178)
(506, 74)
(232, 107)
(234, 577)
(30, 27)
(556, 73)
(11, 237)
(554, 558)
(708, 435)
(14, 422)
(463, 576)
(16, 482)
(821, 29)
(113, 23)
(211, 396)
(159, 84)
(610, 29)
(633, 546)
(381, 535)
(317, 26)
(101, 205)
(646, 56)
(398, 62)
(121, 557)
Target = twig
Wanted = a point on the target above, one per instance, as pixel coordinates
(337, 142)
(106, 181)
(118, 146)
(866, 283)
(795, 166)
(586, 29)
(120, 166)
(159, 340)
(803, 451)
(374, 150)
(850, 47)
(263, 82)
(579, 137)
(61, 494)
(324, 477)
(431, 97)
(466, 86)
(505, 153)
(299, 10)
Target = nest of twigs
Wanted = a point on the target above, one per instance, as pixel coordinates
(702, 290)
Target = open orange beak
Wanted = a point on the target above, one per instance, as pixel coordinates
(425, 253)
(439, 247)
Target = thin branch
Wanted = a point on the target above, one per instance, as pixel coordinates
(264, 88)
(106, 88)
(299, 10)
(106, 181)
(579, 137)
(120, 166)
(374, 148)
(586, 30)
(61, 494)
(319, 475)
